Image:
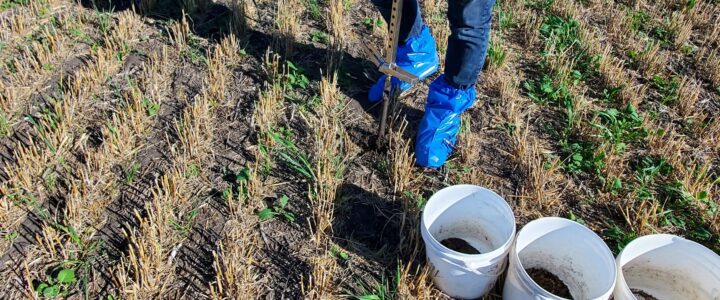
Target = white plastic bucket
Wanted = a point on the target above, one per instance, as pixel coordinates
(485, 221)
(568, 250)
(667, 267)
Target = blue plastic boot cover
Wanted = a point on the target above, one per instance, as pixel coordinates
(439, 127)
(418, 56)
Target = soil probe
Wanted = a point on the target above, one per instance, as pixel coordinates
(388, 67)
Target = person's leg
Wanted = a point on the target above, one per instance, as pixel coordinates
(411, 22)
(454, 92)
(416, 51)
(470, 24)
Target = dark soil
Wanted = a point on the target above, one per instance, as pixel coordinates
(642, 295)
(459, 245)
(549, 282)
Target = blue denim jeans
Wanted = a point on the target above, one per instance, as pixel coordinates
(470, 24)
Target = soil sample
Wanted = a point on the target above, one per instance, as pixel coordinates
(459, 245)
(549, 282)
(642, 295)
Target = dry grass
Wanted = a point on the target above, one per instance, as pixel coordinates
(287, 24)
(234, 263)
(682, 27)
(270, 103)
(688, 96)
(652, 59)
(708, 60)
(331, 150)
(400, 157)
(540, 192)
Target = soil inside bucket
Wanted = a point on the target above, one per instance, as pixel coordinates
(642, 295)
(549, 282)
(459, 245)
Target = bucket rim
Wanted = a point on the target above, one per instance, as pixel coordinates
(663, 239)
(526, 279)
(449, 253)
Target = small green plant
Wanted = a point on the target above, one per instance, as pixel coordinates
(496, 54)
(506, 19)
(339, 254)
(545, 91)
(151, 108)
(377, 290)
(583, 157)
(575, 218)
(688, 49)
(559, 32)
(8, 4)
(57, 285)
(130, 173)
(621, 126)
(313, 8)
(292, 155)
(687, 211)
(647, 170)
(371, 23)
(663, 33)
(619, 237)
(5, 127)
(10, 236)
(277, 211)
(239, 181)
(667, 87)
(639, 20)
(185, 224)
(319, 37)
(295, 78)
(49, 121)
(104, 22)
(417, 199)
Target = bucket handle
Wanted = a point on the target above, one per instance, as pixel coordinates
(498, 269)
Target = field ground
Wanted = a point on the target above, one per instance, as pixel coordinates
(197, 149)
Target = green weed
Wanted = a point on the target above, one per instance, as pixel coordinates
(646, 172)
(295, 77)
(639, 20)
(417, 199)
(371, 23)
(239, 181)
(506, 20)
(377, 290)
(339, 254)
(151, 108)
(663, 33)
(621, 126)
(57, 285)
(667, 87)
(9, 4)
(313, 8)
(5, 127)
(582, 157)
(688, 212)
(130, 173)
(185, 224)
(277, 211)
(619, 237)
(292, 155)
(319, 37)
(541, 5)
(496, 54)
(559, 32)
